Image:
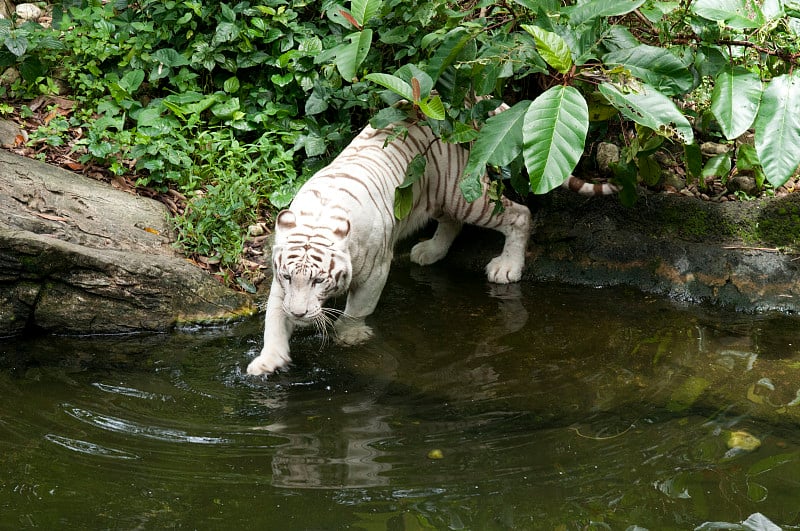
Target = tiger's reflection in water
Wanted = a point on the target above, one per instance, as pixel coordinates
(381, 407)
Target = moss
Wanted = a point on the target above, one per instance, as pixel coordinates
(691, 221)
(779, 223)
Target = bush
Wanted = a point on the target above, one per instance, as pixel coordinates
(584, 67)
(235, 103)
(231, 103)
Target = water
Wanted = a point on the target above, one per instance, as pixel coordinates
(538, 406)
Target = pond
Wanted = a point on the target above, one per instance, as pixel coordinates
(532, 406)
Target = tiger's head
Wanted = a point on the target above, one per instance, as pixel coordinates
(310, 265)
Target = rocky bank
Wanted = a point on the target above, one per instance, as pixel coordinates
(78, 256)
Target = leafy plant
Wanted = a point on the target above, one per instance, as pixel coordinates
(167, 85)
(235, 103)
(613, 61)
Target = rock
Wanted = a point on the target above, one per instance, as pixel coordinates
(742, 183)
(8, 133)
(673, 180)
(9, 76)
(6, 8)
(725, 254)
(712, 148)
(29, 12)
(80, 257)
(607, 154)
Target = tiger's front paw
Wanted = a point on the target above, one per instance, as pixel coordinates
(352, 334)
(503, 270)
(269, 361)
(427, 252)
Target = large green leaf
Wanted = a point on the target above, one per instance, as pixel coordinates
(778, 128)
(735, 100)
(363, 10)
(648, 107)
(655, 66)
(350, 56)
(499, 143)
(737, 14)
(554, 134)
(393, 83)
(551, 47)
(595, 9)
(448, 51)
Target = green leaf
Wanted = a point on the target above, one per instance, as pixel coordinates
(737, 14)
(595, 9)
(747, 158)
(410, 72)
(225, 108)
(316, 102)
(554, 134)
(388, 116)
(404, 194)
(393, 83)
(363, 10)
(551, 47)
(462, 133)
(314, 145)
(169, 57)
(648, 107)
(131, 81)
(693, 157)
(225, 32)
(778, 128)
(499, 142)
(231, 85)
(432, 107)
(281, 80)
(735, 100)
(350, 56)
(649, 170)
(16, 44)
(655, 66)
(447, 52)
(717, 166)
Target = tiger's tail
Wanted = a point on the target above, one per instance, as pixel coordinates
(582, 187)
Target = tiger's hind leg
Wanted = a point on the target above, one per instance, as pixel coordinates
(515, 224)
(433, 250)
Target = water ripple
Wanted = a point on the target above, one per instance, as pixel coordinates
(130, 391)
(149, 432)
(86, 447)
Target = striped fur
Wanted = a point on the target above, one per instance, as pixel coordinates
(339, 234)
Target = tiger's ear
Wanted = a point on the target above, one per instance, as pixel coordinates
(285, 220)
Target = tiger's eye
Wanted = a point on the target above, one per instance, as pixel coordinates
(318, 280)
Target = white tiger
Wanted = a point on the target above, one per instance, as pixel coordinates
(339, 233)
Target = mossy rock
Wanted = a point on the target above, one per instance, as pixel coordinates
(779, 223)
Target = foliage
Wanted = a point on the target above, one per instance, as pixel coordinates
(235, 103)
(598, 63)
(220, 100)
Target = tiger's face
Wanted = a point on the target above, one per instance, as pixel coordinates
(310, 269)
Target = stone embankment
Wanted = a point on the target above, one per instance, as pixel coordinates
(78, 256)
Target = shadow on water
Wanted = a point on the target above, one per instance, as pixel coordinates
(531, 406)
